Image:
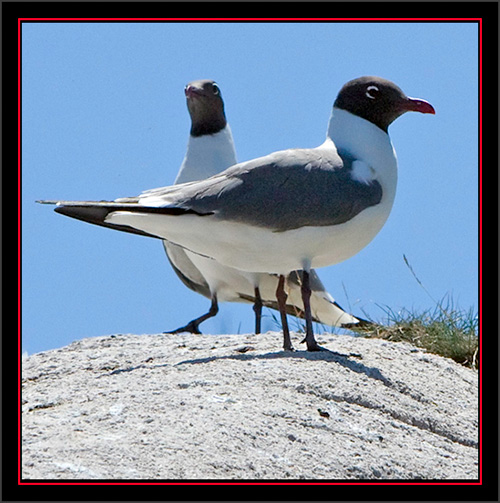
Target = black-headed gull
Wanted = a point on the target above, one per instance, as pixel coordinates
(290, 210)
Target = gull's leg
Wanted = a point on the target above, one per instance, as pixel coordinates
(193, 325)
(312, 345)
(257, 307)
(281, 296)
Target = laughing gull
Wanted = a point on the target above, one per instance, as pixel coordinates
(290, 210)
(210, 150)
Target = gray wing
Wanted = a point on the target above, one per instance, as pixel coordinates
(282, 191)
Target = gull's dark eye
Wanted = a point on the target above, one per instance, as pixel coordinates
(372, 92)
(215, 89)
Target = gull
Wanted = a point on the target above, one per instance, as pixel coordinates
(210, 150)
(294, 209)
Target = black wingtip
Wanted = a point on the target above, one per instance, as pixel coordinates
(362, 324)
(97, 215)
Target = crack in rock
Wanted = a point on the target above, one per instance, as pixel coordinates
(427, 423)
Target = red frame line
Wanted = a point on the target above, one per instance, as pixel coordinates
(248, 19)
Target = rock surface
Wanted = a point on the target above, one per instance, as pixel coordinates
(237, 407)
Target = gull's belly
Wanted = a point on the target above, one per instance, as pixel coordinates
(256, 249)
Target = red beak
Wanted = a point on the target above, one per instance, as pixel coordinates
(416, 105)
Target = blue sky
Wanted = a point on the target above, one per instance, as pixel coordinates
(104, 116)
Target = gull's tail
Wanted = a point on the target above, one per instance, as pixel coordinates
(96, 212)
(101, 212)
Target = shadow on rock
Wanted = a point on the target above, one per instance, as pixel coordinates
(324, 355)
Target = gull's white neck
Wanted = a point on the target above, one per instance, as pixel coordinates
(364, 141)
(207, 155)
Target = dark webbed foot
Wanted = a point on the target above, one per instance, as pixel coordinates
(193, 326)
(315, 347)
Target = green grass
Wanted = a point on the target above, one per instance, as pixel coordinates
(444, 330)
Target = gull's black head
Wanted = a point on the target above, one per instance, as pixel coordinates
(378, 100)
(205, 106)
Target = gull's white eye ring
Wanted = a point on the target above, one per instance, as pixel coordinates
(371, 92)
